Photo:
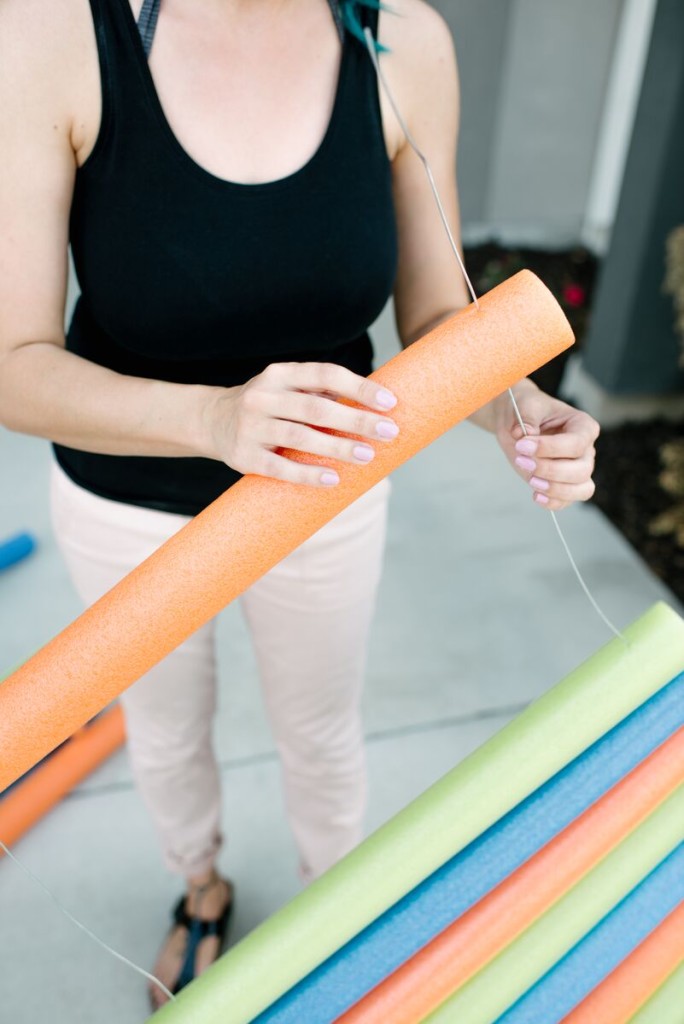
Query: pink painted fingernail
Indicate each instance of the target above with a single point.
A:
(385, 399)
(539, 485)
(526, 446)
(541, 499)
(329, 479)
(525, 463)
(387, 430)
(363, 452)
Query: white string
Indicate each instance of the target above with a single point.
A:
(585, 588)
(568, 552)
(423, 159)
(75, 921)
(370, 44)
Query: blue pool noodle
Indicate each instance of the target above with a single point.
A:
(15, 549)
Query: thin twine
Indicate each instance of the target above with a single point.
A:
(423, 159)
(370, 45)
(597, 608)
(83, 928)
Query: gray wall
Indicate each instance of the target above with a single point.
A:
(632, 347)
(533, 78)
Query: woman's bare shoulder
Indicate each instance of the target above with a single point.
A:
(416, 29)
(49, 66)
(421, 64)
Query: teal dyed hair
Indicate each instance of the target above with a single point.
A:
(350, 18)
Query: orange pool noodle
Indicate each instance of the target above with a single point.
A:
(637, 978)
(425, 981)
(439, 380)
(68, 766)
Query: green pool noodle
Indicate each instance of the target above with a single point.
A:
(502, 982)
(549, 734)
(666, 1006)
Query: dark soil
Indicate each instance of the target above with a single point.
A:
(635, 489)
(628, 490)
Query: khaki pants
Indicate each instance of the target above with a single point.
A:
(309, 619)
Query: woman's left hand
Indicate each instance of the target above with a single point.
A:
(557, 457)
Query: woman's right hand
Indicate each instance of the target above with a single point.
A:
(281, 407)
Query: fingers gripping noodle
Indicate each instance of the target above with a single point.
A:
(439, 380)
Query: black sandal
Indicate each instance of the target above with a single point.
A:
(197, 930)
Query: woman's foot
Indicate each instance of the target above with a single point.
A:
(206, 901)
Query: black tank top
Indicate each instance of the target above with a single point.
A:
(189, 278)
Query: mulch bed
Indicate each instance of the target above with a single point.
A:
(630, 468)
(640, 466)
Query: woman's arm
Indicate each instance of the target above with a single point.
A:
(422, 73)
(47, 61)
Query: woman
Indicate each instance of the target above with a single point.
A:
(239, 210)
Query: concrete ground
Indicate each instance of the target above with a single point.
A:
(479, 613)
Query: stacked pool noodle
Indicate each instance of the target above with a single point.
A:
(524, 903)
(296, 966)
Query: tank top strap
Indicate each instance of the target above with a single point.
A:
(147, 23)
(123, 68)
(337, 17)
